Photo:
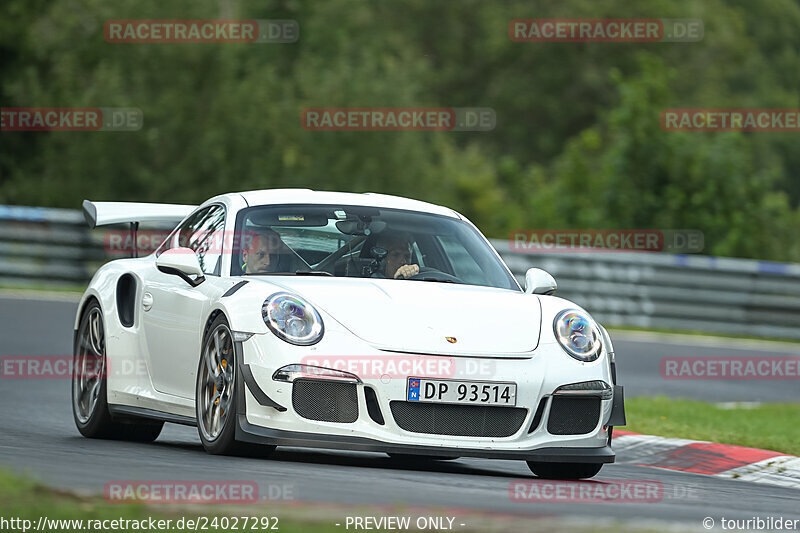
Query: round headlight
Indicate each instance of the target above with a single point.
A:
(292, 319)
(578, 335)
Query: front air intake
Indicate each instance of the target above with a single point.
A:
(373, 407)
(325, 401)
(537, 417)
(573, 416)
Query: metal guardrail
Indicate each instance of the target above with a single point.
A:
(681, 292)
(46, 247)
(54, 248)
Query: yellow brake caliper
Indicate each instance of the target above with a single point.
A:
(216, 402)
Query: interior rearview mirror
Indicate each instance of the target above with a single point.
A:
(538, 281)
(181, 262)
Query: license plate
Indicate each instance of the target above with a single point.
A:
(463, 392)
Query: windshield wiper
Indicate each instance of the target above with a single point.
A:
(312, 273)
(296, 273)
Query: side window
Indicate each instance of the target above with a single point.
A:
(175, 239)
(203, 232)
(205, 238)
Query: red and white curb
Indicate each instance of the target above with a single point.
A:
(709, 458)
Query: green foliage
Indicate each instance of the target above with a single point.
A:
(627, 172)
(577, 144)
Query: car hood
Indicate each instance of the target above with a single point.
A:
(418, 317)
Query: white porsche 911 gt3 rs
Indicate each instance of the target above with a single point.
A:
(336, 320)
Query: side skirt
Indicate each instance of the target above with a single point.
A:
(123, 412)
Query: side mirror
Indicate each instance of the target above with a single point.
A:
(181, 262)
(538, 281)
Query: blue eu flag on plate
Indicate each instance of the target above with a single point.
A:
(413, 390)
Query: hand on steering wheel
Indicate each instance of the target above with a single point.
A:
(406, 271)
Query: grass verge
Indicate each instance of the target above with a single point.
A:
(769, 426)
(41, 288)
(24, 500)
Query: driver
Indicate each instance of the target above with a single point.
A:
(260, 253)
(397, 261)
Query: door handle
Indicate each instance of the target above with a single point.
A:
(147, 301)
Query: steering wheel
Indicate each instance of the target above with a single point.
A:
(432, 274)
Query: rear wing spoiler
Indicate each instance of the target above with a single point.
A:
(103, 213)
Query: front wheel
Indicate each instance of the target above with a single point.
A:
(215, 394)
(565, 470)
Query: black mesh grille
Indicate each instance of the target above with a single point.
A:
(326, 401)
(459, 420)
(573, 416)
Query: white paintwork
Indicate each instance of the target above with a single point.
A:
(508, 332)
(409, 316)
(181, 259)
(103, 213)
(538, 281)
(173, 329)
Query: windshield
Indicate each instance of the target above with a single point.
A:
(365, 242)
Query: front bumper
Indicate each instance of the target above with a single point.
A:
(266, 414)
(247, 432)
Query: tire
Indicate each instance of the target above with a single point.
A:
(218, 383)
(565, 470)
(89, 387)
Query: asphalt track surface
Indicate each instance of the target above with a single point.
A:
(38, 438)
